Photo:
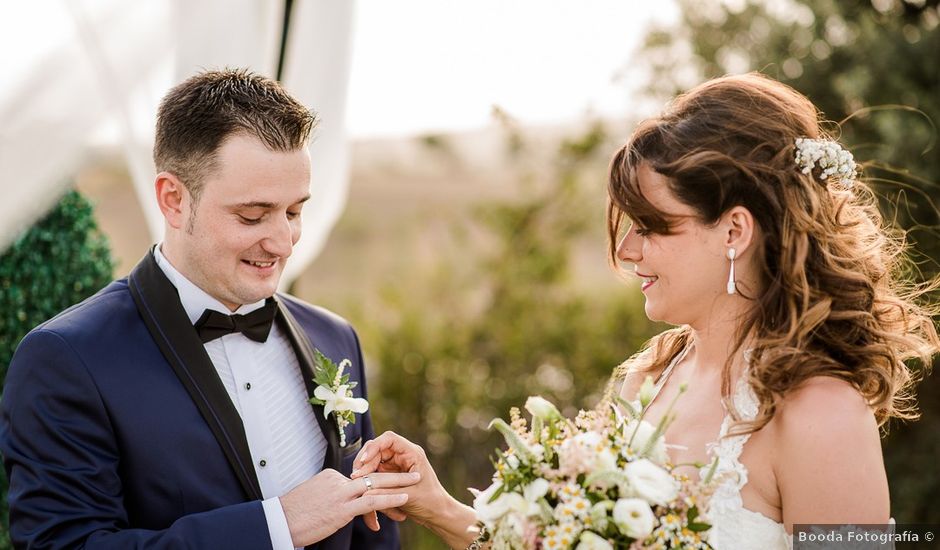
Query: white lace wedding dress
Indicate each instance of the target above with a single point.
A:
(734, 527)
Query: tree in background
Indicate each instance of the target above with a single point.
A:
(874, 63)
(58, 262)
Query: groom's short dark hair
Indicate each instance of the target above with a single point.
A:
(197, 115)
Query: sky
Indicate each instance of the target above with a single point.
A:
(421, 66)
(417, 67)
(441, 65)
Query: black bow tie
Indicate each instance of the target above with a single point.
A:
(255, 325)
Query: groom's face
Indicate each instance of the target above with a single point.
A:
(243, 228)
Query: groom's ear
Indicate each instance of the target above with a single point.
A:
(172, 198)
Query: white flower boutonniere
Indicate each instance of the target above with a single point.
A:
(334, 392)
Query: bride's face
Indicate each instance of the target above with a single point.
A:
(683, 275)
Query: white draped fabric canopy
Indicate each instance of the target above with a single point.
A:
(81, 65)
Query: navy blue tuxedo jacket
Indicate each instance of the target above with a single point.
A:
(116, 431)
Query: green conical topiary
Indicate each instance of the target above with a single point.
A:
(58, 262)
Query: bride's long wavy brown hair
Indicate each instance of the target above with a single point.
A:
(836, 296)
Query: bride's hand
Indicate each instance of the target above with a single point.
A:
(391, 452)
(429, 503)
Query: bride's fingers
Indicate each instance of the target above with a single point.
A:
(395, 514)
(394, 464)
(366, 454)
(365, 468)
(371, 455)
(385, 447)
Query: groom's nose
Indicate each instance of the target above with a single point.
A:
(281, 237)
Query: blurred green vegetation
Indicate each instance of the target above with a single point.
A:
(875, 65)
(500, 315)
(482, 329)
(500, 318)
(58, 262)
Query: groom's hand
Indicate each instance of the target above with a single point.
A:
(323, 504)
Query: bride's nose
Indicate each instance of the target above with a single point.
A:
(628, 250)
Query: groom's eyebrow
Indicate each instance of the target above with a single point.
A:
(265, 204)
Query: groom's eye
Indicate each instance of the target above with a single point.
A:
(248, 221)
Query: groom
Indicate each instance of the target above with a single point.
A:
(170, 409)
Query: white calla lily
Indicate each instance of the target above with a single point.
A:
(491, 512)
(542, 408)
(339, 400)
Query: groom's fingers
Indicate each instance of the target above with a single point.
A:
(382, 481)
(372, 502)
(371, 520)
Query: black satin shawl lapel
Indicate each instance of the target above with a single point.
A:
(304, 350)
(159, 306)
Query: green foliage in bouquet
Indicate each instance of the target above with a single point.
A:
(875, 64)
(602, 481)
(58, 262)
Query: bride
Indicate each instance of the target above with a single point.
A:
(750, 231)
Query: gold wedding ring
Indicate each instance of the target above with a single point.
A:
(369, 484)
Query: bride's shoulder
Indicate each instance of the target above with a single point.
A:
(822, 400)
(827, 416)
(827, 459)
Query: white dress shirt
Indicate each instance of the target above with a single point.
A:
(267, 388)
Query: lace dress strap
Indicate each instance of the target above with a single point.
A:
(663, 376)
(733, 525)
(727, 450)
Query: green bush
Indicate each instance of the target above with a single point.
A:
(58, 262)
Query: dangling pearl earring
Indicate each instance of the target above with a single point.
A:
(731, 286)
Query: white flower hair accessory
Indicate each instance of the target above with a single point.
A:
(831, 158)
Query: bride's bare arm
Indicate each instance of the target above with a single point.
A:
(828, 464)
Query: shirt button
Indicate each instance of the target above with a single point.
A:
(248, 386)
(263, 463)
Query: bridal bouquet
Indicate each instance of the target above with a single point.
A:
(602, 481)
